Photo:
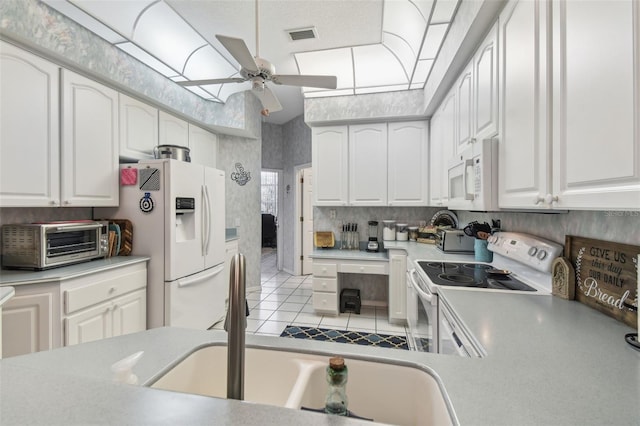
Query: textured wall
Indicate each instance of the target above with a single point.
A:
(243, 202)
(621, 227)
(369, 107)
(296, 152)
(34, 25)
(272, 142)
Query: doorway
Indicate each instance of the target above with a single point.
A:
(304, 211)
(270, 206)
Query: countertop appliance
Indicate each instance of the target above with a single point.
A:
(473, 177)
(178, 213)
(373, 245)
(454, 241)
(521, 264)
(39, 246)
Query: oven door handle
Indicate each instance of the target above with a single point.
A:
(428, 296)
(456, 340)
(80, 227)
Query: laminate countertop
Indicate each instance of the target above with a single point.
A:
(22, 277)
(549, 362)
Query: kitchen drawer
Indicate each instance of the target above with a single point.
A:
(365, 268)
(325, 284)
(325, 269)
(91, 289)
(327, 302)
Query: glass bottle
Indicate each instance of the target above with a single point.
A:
(336, 401)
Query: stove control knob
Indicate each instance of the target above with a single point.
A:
(532, 251)
(542, 254)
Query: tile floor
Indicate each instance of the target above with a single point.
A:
(285, 299)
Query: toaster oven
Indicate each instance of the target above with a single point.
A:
(39, 246)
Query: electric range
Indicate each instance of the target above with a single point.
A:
(521, 264)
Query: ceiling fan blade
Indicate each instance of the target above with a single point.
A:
(239, 50)
(268, 99)
(211, 81)
(323, 81)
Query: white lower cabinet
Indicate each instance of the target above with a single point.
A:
(110, 304)
(65, 312)
(118, 316)
(325, 287)
(31, 320)
(326, 284)
(397, 286)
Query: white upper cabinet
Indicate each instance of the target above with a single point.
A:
(29, 142)
(368, 165)
(582, 151)
(90, 143)
(203, 146)
(485, 87)
(443, 142)
(464, 109)
(596, 108)
(524, 148)
(408, 163)
(172, 130)
(330, 156)
(138, 129)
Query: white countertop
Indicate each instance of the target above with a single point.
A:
(20, 277)
(550, 362)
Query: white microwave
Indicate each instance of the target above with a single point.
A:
(473, 177)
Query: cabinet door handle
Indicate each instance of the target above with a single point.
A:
(550, 199)
(539, 199)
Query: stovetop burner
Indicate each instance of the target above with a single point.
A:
(470, 275)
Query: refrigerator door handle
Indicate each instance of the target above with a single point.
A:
(208, 219)
(204, 232)
(184, 282)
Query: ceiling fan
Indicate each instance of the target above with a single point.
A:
(260, 71)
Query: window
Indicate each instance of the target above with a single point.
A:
(269, 201)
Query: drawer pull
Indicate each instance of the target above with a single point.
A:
(112, 290)
(362, 268)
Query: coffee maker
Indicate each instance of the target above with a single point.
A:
(372, 245)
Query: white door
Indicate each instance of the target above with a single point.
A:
(172, 130)
(368, 164)
(89, 325)
(330, 165)
(90, 143)
(596, 137)
(485, 87)
(307, 220)
(464, 115)
(408, 162)
(524, 148)
(197, 301)
(203, 146)
(214, 204)
(184, 245)
(138, 128)
(29, 130)
(129, 313)
(448, 142)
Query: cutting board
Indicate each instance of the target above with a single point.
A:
(606, 276)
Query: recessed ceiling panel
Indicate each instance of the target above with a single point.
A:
(208, 63)
(120, 16)
(376, 66)
(433, 40)
(166, 35)
(444, 11)
(380, 89)
(147, 59)
(423, 68)
(86, 20)
(402, 51)
(403, 19)
(336, 62)
(328, 93)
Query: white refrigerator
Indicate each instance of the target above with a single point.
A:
(178, 217)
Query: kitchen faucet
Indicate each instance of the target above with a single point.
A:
(235, 325)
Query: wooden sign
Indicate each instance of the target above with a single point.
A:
(606, 276)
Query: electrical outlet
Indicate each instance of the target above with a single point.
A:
(332, 214)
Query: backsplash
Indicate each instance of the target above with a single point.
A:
(617, 226)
